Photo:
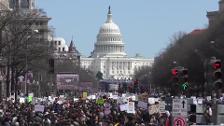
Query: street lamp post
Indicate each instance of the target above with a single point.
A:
(26, 61)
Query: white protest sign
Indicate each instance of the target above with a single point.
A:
(110, 95)
(133, 98)
(115, 97)
(142, 104)
(162, 105)
(156, 99)
(22, 100)
(123, 107)
(209, 98)
(153, 109)
(39, 108)
(91, 97)
(75, 99)
(200, 101)
(123, 95)
(194, 100)
(62, 96)
(131, 107)
(151, 101)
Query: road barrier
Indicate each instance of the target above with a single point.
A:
(200, 114)
(220, 113)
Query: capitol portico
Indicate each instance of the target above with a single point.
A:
(109, 55)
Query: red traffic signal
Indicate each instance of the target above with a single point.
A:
(216, 65)
(174, 72)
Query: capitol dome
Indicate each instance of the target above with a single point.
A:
(109, 40)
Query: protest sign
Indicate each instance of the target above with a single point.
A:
(39, 108)
(200, 101)
(209, 98)
(162, 106)
(154, 109)
(123, 95)
(123, 107)
(131, 107)
(151, 101)
(84, 94)
(22, 100)
(100, 101)
(75, 99)
(142, 104)
(30, 98)
(115, 97)
(91, 97)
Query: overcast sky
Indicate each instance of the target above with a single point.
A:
(146, 25)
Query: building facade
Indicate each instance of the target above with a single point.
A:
(65, 63)
(66, 59)
(212, 15)
(24, 4)
(59, 44)
(109, 56)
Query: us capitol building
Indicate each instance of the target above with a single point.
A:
(109, 55)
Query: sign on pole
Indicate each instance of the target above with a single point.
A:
(179, 107)
(179, 121)
(162, 106)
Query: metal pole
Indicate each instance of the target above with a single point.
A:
(26, 67)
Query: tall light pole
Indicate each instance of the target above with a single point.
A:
(26, 60)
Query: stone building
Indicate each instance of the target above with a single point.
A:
(66, 59)
(212, 15)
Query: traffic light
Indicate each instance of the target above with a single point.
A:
(217, 73)
(184, 85)
(174, 72)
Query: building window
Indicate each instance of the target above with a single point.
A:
(63, 49)
(59, 42)
(55, 42)
(59, 49)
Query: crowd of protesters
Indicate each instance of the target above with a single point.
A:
(77, 113)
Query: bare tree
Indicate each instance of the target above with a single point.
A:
(21, 45)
